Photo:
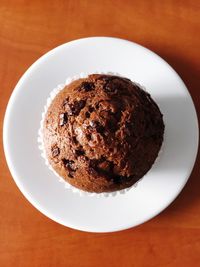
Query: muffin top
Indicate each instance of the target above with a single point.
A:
(102, 133)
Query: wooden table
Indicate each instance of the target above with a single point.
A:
(31, 28)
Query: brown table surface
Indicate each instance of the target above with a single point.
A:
(31, 28)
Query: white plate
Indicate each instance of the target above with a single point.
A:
(162, 183)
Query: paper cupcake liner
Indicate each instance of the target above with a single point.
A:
(52, 95)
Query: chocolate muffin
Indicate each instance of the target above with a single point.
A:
(102, 133)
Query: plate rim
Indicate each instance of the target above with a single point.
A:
(8, 114)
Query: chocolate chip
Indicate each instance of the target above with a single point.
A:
(118, 179)
(87, 114)
(55, 152)
(100, 129)
(86, 86)
(76, 107)
(88, 136)
(97, 126)
(63, 119)
(70, 175)
(79, 152)
(91, 109)
(102, 166)
(70, 166)
(93, 163)
(112, 125)
(111, 84)
(97, 106)
(74, 140)
(115, 86)
(110, 88)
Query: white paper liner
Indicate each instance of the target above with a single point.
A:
(52, 95)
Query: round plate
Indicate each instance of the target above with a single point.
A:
(161, 184)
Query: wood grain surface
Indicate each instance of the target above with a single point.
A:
(28, 29)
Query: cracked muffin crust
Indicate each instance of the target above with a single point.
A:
(102, 133)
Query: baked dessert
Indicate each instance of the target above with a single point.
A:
(102, 133)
